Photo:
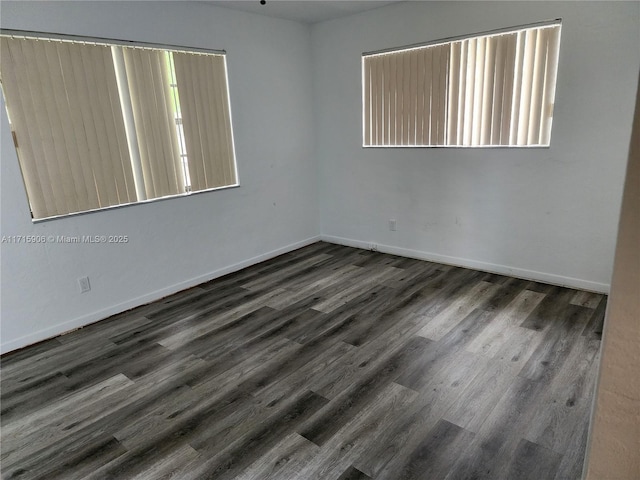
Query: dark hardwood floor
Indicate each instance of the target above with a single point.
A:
(325, 363)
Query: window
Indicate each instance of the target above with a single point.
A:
(99, 124)
(495, 89)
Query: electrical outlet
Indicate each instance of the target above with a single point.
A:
(84, 284)
(392, 225)
(373, 247)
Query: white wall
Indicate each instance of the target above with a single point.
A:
(547, 214)
(180, 242)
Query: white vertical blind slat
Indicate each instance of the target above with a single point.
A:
(527, 84)
(507, 94)
(148, 81)
(393, 91)
(413, 92)
(462, 91)
(366, 99)
(191, 115)
(201, 81)
(378, 101)
(151, 114)
(225, 148)
(420, 115)
(517, 87)
(175, 173)
(214, 171)
(435, 94)
(454, 94)
(537, 87)
(407, 99)
(488, 86)
(470, 91)
(19, 104)
(428, 98)
(498, 90)
(117, 173)
(51, 129)
(102, 166)
(123, 167)
(478, 90)
(215, 69)
(550, 85)
(133, 67)
(442, 79)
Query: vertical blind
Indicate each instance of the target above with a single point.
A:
(155, 125)
(404, 97)
(207, 124)
(485, 90)
(94, 123)
(64, 107)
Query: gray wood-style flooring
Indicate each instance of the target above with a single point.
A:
(325, 363)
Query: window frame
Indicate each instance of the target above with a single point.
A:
(112, 42)
(448, 41)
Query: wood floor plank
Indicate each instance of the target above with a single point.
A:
(566, 400)
(170, 464)
(341, 451)
(440, 354)
(573, 460)
(556, 345)
(51, 362)
(533, 462)
(490, 453)
(332, 359)
(344, 295)
(352, 473)
(295, 293)
(285, 274)
(499, 331)
(231, 461)
(442, 323)
(321, 427)
(433, 456)
(285, 460)
(359, 363)
(400, 438)
(60, 408)
(108, 413)
(83, 455)
(586, 299)
(478, 399)
(549, 310)
(328, 362)
(596, 322)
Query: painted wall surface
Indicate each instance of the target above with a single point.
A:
(176, 243)
(614, 449)
(549, 214)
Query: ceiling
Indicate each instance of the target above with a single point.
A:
(305, 11)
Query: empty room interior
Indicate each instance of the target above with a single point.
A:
(320, 240)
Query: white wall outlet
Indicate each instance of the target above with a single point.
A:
(373, 247)
(392, 224)
(84, 284)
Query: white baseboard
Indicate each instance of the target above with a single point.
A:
(476, 265)
(92, 317)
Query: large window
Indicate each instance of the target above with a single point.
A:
(495, 89)
(98, 124)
